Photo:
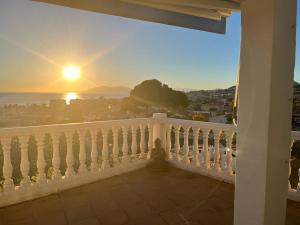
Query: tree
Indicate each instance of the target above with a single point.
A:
(154, 93)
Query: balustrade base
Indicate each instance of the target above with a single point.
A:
(37, 190)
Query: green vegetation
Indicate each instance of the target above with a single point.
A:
(154, 93)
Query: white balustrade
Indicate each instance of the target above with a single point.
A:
(215, 161)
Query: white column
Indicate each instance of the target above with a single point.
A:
(264, 113)
(125, 157)
(41, 163)
(150, 142)
(196, 161)
(133, 142)
(116, 146)
(8, 184)
(24, 166)
(186, 145)
(69, 156)
(82, 153)
(94, 151)
(105, 160)
(142, 143)
(56, 157)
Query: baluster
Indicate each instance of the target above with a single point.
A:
(150, 142)
(177, 144)
(133, 144)
(56, 157)
(94, 152)
(229, 137)
(41, 163)
(142, 143)
(24, 166)
(217, 134)
(70, 155)
(82, 153)
(206, 156)
(223, 158)
(186, 145)
(290, 159)
(298, 186)
(163, 141)
(8, 184)
(125, 157)
(116, 146)
(169, 144)
(196, 146)
(105, 160)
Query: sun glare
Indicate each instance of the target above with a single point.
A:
(71, 73)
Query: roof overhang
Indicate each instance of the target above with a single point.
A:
(206, 15)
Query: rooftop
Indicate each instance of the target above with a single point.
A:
(165, 196)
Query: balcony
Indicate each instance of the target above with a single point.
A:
(103, 173)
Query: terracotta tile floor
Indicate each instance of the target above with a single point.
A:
(147, 197)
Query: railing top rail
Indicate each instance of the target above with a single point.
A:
(200, 124)
(75, 126)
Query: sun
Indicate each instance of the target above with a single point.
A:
(71, 73)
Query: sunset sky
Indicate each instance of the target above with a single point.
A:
(37, 40)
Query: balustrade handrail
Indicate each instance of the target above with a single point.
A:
(15, 131)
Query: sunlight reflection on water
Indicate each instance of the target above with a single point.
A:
(71, 96)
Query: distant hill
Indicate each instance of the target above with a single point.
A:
(114, 91)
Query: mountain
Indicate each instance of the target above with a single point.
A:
(111, 91)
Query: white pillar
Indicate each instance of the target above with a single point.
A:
(264, 114)
(159, 130)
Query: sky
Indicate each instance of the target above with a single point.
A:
(37, 40)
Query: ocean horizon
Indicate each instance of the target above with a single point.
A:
(39, 98)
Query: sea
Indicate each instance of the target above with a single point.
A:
(45, 98)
